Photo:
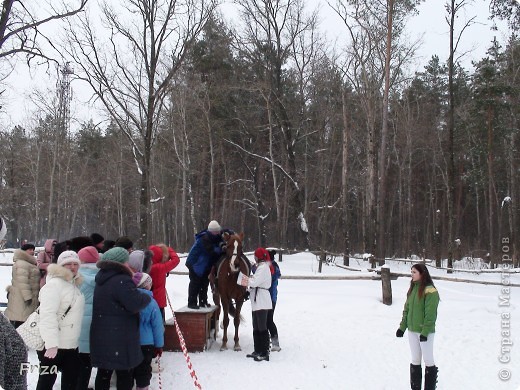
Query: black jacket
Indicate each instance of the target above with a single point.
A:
(114, 333)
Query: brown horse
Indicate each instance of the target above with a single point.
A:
(227, 290)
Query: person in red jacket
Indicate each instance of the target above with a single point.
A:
(163, 261)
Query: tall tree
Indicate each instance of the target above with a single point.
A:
(148, 41)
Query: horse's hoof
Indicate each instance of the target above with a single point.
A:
(223, 348)
(237, 348)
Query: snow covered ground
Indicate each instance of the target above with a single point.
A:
(336, 334)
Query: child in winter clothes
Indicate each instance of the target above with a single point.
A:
(419, 317)
(163, 261)
(151, 333)
(275, 275)
(259, 283)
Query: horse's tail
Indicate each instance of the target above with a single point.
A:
(233, 311)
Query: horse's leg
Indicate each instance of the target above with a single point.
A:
(225, 307)
(216, 316)
(236, 321)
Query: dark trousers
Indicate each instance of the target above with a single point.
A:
(85, 369)
(143, 372)
(161, 309)
(260, 320)
(271, 326)
(125, 379)
(198, 288)
(66, 361)
(260, 333)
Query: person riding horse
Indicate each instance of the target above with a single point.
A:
(204, 254)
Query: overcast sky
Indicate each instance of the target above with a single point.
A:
(430, 24)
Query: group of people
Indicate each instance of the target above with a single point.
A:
(203, 257)
(98, 307)
(104, 307)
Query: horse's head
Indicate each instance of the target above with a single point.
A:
(234, 250)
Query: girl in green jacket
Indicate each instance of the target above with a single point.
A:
(419, 316)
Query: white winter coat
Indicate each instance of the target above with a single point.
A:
(259, 283)
(59, 292)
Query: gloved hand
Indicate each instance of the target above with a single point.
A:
(157, 352)
(246, 296)
(223, 246)
(399, 333)
(51, 353)
(422, 338)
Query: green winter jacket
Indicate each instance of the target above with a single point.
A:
(420, 314)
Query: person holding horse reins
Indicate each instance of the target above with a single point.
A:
(261, 303)
(205, 252)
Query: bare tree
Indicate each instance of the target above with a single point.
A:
(130, 72)
(21, 29)
(272, 31)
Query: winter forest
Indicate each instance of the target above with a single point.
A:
(264, 125)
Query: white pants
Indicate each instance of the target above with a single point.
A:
(424, 349)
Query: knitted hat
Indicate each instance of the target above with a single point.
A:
(135, 260)
(145, 281)
(97, 238)
(261, 255)
(68, 257)
(214, 227)
(89, 254)
(117, 254)
(26, 247)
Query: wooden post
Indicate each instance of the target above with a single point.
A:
(323, 256)
(387, 285)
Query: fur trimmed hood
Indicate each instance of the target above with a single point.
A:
(58, 271)
(19, 254)
(108, 269)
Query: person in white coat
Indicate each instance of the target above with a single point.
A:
(61, 313)
(261, 303)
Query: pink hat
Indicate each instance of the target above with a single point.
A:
(89, 254)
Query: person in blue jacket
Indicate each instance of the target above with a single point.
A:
(88, 256)
(151, 331)
(205, 252)
(271, 326)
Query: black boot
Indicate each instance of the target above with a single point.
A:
(256, 344)
(430, 378)
(193, 290)
(415, 376)
(264, 346)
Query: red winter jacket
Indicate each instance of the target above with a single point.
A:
(160, 269)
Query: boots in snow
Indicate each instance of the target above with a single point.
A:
(263, 338)
(275, 344)
(415, 376)
(256, 344)
(430, 378)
